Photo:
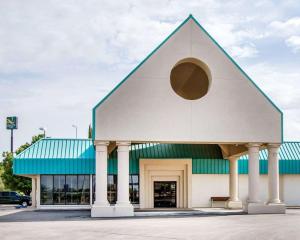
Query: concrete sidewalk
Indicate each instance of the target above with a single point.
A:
(30, 224)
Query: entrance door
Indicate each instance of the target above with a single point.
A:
(165, 194)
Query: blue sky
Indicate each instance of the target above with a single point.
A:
(59, 58)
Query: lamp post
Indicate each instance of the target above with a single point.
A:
(44, 131)
(74, 126)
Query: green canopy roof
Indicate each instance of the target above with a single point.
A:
(77, 156)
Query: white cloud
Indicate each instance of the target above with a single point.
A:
(58, 58)
(282, 85)
(294, 43)
(288, 30)
(244, 51)
(287, 27)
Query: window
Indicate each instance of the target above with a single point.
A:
(71, 189)
(46, 189)
(134, 189)
(65, 189)
(84, 189)
(112, 188)
(59, 189)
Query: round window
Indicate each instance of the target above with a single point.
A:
(190, 79)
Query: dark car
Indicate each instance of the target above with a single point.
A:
(14, 198)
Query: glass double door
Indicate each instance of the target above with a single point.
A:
(165, 194)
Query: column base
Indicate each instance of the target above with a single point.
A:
(260, 208)
(234, 204)
(112, 211)
(124, 210)
(102, 211)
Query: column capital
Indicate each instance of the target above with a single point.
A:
(101, 146)
(273, 145)
(123, 143)
(253, 145)
(101, 143)
(233, 158)
(123, 146)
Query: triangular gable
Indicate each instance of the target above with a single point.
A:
(179, 28)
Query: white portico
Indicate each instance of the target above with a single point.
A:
(188, 91)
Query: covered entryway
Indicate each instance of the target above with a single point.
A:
(187, 91)
(165, 174)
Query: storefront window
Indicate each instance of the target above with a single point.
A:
(112, 188)
(46, 189)
(94, 189)
(65, 189)
(59, 189)
(71, 189)
(84, 189)
(134, 189)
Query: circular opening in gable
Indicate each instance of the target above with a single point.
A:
(190, 78)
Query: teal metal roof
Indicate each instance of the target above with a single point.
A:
(77, 156)
(289, 160)
(57, 156)
(207, 158)
(288, 151)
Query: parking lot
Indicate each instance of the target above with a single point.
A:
(33, 224)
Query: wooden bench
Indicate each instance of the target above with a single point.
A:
(218, 199)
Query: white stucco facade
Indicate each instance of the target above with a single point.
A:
(233, 113)
(206, 186)
(232, 100)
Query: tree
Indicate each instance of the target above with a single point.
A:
(14, 182)
(1, 183)
(90, 131)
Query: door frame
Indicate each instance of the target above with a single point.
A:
(179, 170)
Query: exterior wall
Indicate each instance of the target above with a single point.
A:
(132, 111)
(205, 186)
(208, 185)
(243, 187)
(291, 188)
(217, 185)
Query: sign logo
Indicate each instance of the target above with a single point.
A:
(12, 123)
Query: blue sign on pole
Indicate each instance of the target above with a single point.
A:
(12, 123)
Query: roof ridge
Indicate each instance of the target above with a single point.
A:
(31, 146)
(75, 139)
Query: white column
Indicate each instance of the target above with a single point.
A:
(101, 174)
(33, 191)
(253, 175)
(123, 173)
(234, 201)
(233, 179)
(273, 173)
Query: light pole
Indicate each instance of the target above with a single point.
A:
(44, 131)
(74, 126)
